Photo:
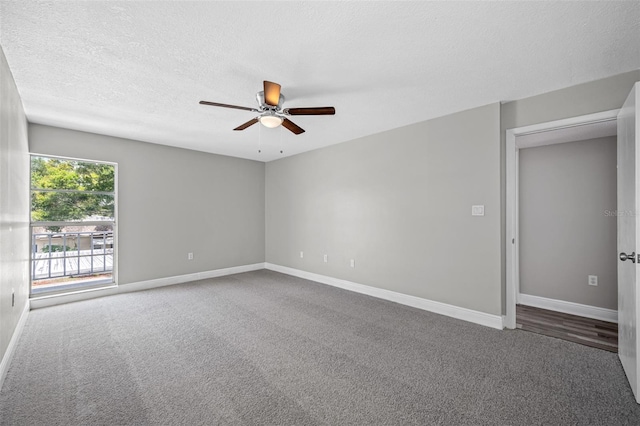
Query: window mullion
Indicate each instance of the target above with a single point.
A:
(73, 191)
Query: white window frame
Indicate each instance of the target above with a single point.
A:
(114, 273)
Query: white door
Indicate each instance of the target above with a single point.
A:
(628, 239)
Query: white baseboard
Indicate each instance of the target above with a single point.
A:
(569, 307)
(8, 355)
(482, 318)
(58, 299)
(493, 321)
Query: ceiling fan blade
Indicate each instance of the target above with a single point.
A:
(247, 124)
(293, 127)
(271, 93)
(228, 106)
(310, 111)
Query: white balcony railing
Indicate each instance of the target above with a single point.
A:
(71, 254)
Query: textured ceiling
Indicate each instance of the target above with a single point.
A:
(138, 69)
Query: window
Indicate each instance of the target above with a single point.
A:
(73, 205)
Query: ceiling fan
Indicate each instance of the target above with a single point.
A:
(272, 115)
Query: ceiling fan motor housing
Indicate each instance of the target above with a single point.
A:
(264, 106)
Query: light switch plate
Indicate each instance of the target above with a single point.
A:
(477, 210)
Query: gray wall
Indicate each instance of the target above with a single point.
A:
(596, 96)
(399, 203)
(14, 206)
(565, 233)
(172, 201)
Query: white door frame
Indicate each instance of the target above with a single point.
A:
(512, 235)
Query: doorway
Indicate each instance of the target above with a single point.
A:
(557, 132)
(568, 236)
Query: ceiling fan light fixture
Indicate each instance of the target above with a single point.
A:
(270, 121)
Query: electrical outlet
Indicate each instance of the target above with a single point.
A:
(326, 258)
(593, 280)
(190, 256)
(353, 263)
(301, 254)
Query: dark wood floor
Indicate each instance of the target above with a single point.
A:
(586, 331)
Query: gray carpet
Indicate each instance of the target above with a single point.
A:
(262, 348)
